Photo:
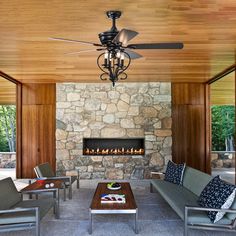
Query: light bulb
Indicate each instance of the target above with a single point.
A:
(122, 56)
(106, 55)
(118, 54)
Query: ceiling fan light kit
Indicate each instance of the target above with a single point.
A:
(117, 56)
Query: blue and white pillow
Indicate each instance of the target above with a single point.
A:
(217, 194)
(174, 173)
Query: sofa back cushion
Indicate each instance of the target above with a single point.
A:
(195, 180)
(9, 195)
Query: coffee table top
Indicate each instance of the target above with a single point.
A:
(40, 187)
(102, 189)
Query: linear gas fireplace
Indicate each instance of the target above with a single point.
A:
(113, 146)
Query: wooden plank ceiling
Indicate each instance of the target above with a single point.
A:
(223, 90)
(206, 27)
(7, 92)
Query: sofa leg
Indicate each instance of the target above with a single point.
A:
(185, 230)
(37, 224)
(185, 221)
(70, 191)
(64, 193)
(78, 182)
(151, 188)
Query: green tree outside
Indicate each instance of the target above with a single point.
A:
(7, 128)
(223, 128)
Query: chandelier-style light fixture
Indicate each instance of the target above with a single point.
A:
(117, 53)
(113, 63)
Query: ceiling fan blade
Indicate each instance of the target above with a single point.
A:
(76, 41)
(133, 55)
(156, 46)
(82, 51)
(124, 36)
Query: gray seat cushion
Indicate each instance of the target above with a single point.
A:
(26, 217)
(200, 217)
(9, 195)
(44, 170)
(44, 205)
(177, 196)
(16, 218)
(232, 216)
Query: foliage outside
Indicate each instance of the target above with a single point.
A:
(223, 128)
(7, 128)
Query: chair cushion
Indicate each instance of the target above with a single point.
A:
(26, 217)
(174, 173)
(44, 170)
(19, 217)
(9, 195)
(44, 205)
(217, 194)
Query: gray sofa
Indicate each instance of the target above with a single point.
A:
(16, 214)
(183, 199)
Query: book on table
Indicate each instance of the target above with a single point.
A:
(112, 198)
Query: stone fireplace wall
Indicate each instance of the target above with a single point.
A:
(99, 110)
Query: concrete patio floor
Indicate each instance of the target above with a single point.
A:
(155, 216)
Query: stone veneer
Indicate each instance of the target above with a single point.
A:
(99, 110)
(7, 160)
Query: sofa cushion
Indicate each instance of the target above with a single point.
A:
(177, 196)
(217, 194)
(200, 217)
(232, 216)
(174, 173)
(9, 195)
(195, 180)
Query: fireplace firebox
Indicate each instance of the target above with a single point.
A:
(113, 146)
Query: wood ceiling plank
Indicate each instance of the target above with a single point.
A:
(207, 29)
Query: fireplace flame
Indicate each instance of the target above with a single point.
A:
(115, 151)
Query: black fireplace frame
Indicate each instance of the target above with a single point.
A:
(127, 143)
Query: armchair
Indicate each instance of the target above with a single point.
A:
(45, 170)
(16, 214)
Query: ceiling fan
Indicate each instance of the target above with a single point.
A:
(118, 53)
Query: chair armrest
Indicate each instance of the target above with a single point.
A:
(197, 208)
(63, 178)
(157, 175)
(15, 210)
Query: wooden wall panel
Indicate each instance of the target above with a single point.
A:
(189, 125)
(47, 127)
(38, 127)
(29, 140)
(39, 94)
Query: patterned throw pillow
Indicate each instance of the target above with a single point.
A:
(174, 173)
(217, 194)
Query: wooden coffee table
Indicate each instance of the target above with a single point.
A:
(129, 207)
(37, 188)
